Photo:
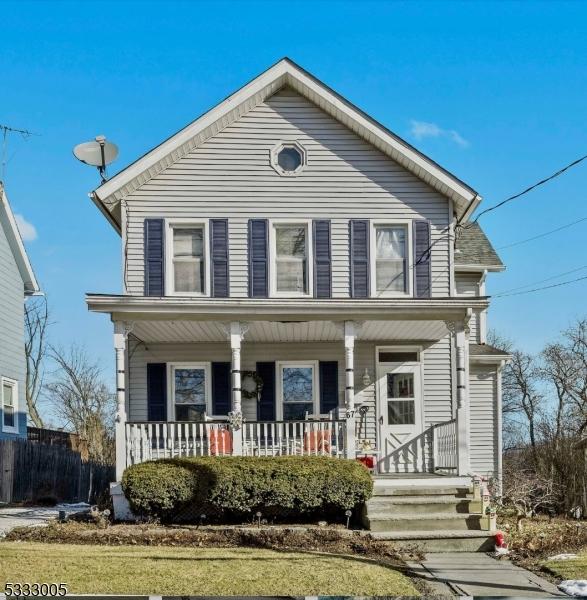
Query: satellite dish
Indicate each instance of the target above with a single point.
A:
(98, 153)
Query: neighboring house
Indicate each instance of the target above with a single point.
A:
(291, 262)
(17, 281)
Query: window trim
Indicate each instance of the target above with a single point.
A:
(13, 383)
(407, 224)
(171, 367)
(170, 225)
(273, 157)
(307, 223)
(280, 365)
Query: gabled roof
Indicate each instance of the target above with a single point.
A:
(283, 73)
(474, 252)
(8, 224)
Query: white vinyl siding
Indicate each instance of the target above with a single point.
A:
(483, 419)
(436, 385)
(467, 284)
(230, 176)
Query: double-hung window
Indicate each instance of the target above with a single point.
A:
(291, 264)
(8, 399)
(190, 391)
(187, 273)
(391, 260)
(297, 389)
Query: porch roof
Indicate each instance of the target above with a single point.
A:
(283, 310)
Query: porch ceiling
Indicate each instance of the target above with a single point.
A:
(272, 332)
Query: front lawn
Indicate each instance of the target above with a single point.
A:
(90, 569)
(569, 569)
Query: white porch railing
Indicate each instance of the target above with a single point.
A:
(301, 438)
(149, 440)
(444, 446)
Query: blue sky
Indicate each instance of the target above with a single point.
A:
(497, 91)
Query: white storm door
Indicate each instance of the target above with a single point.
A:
(399, 405)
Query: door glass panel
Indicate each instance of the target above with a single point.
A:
(400, 399)
(190, 394)
(298, 392)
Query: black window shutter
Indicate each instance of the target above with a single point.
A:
(322, 260)
(157, 392)
(266, 405)
(258, 259)
(328, 386)
(221, 388)
(219, 257)
(359, 257)
(154, 244)
(422, 262)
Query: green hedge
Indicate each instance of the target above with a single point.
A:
(233, 487)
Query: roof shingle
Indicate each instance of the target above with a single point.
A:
(473, 248)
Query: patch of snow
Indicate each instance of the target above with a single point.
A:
(563, 557)
(574, 587)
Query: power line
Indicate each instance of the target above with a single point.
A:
(541, 235)
(546, 287)
(529, 189)
(521, 287)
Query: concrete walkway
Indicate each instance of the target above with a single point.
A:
(479, 574)
(27, 516)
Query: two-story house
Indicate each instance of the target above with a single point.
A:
(17, 282)
(295, 282)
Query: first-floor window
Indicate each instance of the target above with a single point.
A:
(188, 259)
(8, 398)
(298, 390)
(291, 259)
(189, 392)
(390, 258)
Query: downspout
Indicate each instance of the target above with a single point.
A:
(499, 416)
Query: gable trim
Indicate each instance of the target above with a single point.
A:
(285, 72)
(15, 242)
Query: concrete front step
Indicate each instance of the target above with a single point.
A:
(383, 521)
(400, 490)
(439, 540)
(418, 505)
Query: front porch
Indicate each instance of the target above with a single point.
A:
(391, 385)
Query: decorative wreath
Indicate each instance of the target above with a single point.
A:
(251, 394)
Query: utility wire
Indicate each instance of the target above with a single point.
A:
(541, 235)
(528, 189)
(521, 287)
(546, 287)
(5, 129)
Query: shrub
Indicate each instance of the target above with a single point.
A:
(234, 487)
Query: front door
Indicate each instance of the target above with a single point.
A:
(399, 404)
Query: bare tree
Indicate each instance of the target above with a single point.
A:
(82, 400)
(36, 323)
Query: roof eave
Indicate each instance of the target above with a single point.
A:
(472, 268)
(25, 268)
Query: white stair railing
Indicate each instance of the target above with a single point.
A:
(444, 446)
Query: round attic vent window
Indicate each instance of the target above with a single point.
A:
(288, 158)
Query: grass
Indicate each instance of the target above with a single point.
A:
(569, 569)
(92, 569)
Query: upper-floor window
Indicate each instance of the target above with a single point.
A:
(8, 402)
(187, 271)
(390, 262)
(290, 257)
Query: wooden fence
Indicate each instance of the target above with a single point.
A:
(31, 472)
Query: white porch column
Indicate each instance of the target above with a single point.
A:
(121, 331)
(463, 433)
(349, 363)
(236, 413)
